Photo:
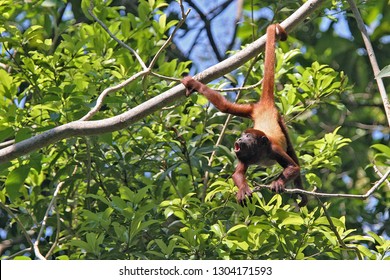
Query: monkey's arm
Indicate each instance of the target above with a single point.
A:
(291, 152)
(220, 102)
(240, 181)
(290, 172)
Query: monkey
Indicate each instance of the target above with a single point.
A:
(268, 141)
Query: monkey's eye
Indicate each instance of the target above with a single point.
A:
(263, 140)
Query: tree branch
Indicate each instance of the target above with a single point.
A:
(207, 27)
(338, 195)
(26, 233)
(123, 44)
(170, 38)
(99, 101)
(240, 7)
(5, 244)
(334, 229)
(371, 56)
(85, 128)
(44, 220)
(146, 70)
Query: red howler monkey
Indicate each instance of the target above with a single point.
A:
(268, 141)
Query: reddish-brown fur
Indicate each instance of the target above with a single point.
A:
(269, 140)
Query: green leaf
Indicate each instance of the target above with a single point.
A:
(382, 148)
(125, 27)
(324, 221)
(355, 238)
(162, 245)
(81, 244)
(6, 132)
(22, 134)
(22, 258)
(292, 220)
(313, 180)
(118, 203)
(237, 227)
(377, 238)
(49, 3)
(85, 4)
(152, 3)
(218, 229)
(162, 21)
(330, 237)
(385, 72)
(15, 181)
(7, 85)
(365, 251)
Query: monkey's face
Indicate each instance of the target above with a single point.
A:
(251, 147)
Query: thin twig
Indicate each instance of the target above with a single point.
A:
(120, 42)
(334, 229)
(15, 217)
(181, 6)
(371, 56)
(165, 77)
(21, 252)
(99, 101)
(146, 70)
(241, 88)
(337, 195)
(170, 38)
(240, 4)
(7, 143)
(380, 174)
(44, 220)
(207, 27)
(12, 241)
(57, 238)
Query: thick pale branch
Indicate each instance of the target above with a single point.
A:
(84, 128)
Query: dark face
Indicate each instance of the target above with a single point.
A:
(251, 147)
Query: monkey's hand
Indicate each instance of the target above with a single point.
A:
(243, 194)
(190, 84)
(277, 186)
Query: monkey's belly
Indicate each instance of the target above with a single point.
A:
(266, 162)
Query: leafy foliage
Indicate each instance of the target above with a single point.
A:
(142, 192)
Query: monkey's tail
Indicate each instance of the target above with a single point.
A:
(303, 200)
(269, 61)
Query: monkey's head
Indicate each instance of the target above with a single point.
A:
(252, 146)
